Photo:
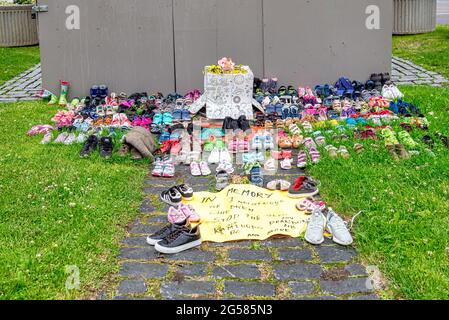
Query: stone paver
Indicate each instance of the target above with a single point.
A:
(254, 289)
(405, 72)
(23, 87)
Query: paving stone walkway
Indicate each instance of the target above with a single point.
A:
(405, 72)
(25, 86)
(274, 269)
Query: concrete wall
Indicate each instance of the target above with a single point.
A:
(160, 45)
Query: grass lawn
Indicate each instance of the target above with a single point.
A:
(17, 60)
(429, 50)
(58, 210)
(404, 228)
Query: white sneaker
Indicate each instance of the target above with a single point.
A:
(81, 138)
(205, 171)
(315, 228)
(214, 157)
(70, 139)
(338, 229)
(225, 156)
(225, 166)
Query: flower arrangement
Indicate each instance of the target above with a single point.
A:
(63, 119)
(227, 66)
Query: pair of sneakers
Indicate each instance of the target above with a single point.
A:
(93, 143)
(175, 195)
(175, 238)
(182, 213)
(164, 168)
(320, 222)
(198, 169)
(219, 155)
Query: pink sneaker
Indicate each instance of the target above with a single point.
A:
(189, 212)
(176, 216)
(169, 169)
(195, 169)
(315, 155)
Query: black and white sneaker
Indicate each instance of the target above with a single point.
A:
(165, 232)
(180, 240)
(171, 197)
(186, 191)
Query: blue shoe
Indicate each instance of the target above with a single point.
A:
(270, 109)
(94, 91)
(256, 177)
(186, 115)
(177, 114)
(279, 107)
(286, 112)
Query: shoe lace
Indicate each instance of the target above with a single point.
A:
(174, 235)
(163, 230)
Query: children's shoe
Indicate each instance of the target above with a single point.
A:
(222, 180)
(333, 152)
(344, 153)
(310, 205)
(302, 188)
(205, 170)
(169, 169)
(179, 241)
(280, 185)
(171, 197)
(225, 166)
(256, 177)
(270, 166)
(195, 169)
(214, 157)
(310, 144)
(225, 156)
(61, 138)
(164, 232)
(338, 229)
(186, 191)
(302, 160)
(189, 213)
(286, 164)
(315, 155)
(106, 147)
(89, 147)
(176, 216)
(47, 138)
(71, 138)
(359, 148)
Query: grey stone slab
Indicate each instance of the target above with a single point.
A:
(29, 99)
(158, 219)
(229, 244)
(135, 242)
(127, 298)
(335, 254)
(356, 270)
(138, 254)
(283, 243)
(297, 271)
(193, 270)
(246, 289)
(192, 256)
(144, 270)
(372, 297)
(302, 288)
(147, 206)
(423, 81)
(242, 271)
(144, 229)
(173, 290)
(348, 286)
(295, 255)
(132, 287)
(320, 298)
(249, 255)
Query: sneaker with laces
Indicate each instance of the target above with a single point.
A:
(179, 240)
(164, 232)
(171, 197)
(70, 139)
(89, 147)
(106, 147)
(315, 228)
(61, 138)
(169, 169)
(338, 229)
(186, 191)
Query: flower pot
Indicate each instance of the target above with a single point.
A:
(18, 26)
(414, 16)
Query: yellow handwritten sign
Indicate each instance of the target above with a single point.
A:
(247, 212)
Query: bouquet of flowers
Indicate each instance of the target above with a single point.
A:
(227, 66)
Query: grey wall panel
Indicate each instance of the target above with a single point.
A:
(206, 30)
(327, 39)
(127, 45)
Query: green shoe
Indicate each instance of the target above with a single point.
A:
(407, 140)
(390, 137)
(64, 93)
(53, 100)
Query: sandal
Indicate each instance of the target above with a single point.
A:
(302, 160)
(315, 155)
(286, 164)
(285, 143)
(332, 151)
(344, 152)
(294, 129)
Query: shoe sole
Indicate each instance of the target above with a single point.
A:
(152, 242)
(303, 195)
(179, 249)
(314, 243)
